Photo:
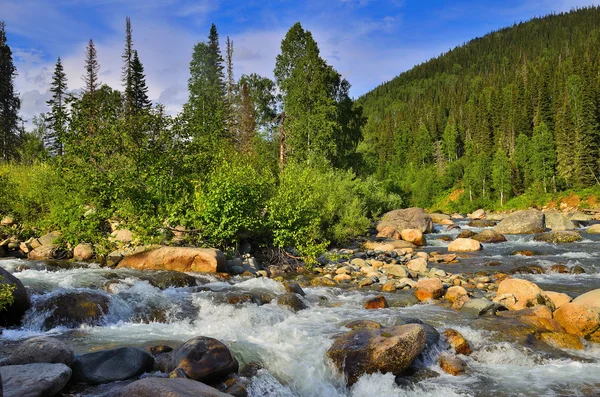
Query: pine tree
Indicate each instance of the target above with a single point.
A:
(92, 67)
(57, 117)
(247, 124)
(450, 141)
(127, 73)
(501, 174)
(9, 101)
(139, 90)
(543, 155)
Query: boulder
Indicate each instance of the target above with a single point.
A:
(378, 302)
(387, 245)
(579, 320)
(167, 279)
(13, 313)
(34, 380)
(452, 364)
(203, 359)
(558, 298)
(390, 286)
(479, 214)
(396, 270)
(181, 259)
(430, 288)
(356, 324)
(457, 342)
(455, 292)
(390, 232)
(111, 365)
(40, 350)
(466, 234)
(557, 221)
(322, 282)
(561, 340)
(482, 223)
(522, 222)
(479, 307)
(590, 299)
(72, 309)
(559, 237)
(83, 252)
(418, 265)
(517, 294)
(414, 236)
(464, 245)
(292, 301)
(439, 218)
(180, 387)
(489, 236)
(366, 351)
(124, 236)
(594, 229)
(409, 218)
(43, 253)
(46, 239)
(292, 286)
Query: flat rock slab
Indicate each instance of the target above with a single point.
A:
(111, 365)
(180, 387)
(34, 380)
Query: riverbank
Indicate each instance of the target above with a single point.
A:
(385, 281)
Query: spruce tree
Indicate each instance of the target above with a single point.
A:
(543, 155)
(139, 90)
(92, 67)
(501, 174)
(57, 117)
(127, 72)
(9, 101)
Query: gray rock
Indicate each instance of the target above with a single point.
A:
(293, 301)
(111, 365)
(292, 286)
(559, 237)
(409, 218)
(480, 307)
(403, 299)
(153, 387)
(522, 222)
(34, 380)
(13, 314)
(40, 350)
(169, 278)
(557, 221)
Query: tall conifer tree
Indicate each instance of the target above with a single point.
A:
(127, 73)
(57, 117)
(9, 100)
(139, 89)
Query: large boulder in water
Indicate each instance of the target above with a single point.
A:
(409, 218)
(179, 387)
(557, 221)
(181, 259)
(464, 245)
(590, 299)
(111, 365)
(522, 222)
(594, 229)
(559, 237)
(40, 350)
(489, 236)
(14, 312)
(203, 359)
(517, 294)
(34, 380)
(73, 308)
(366, 351)
(579, 319)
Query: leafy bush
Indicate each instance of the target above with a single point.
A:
(6, 295)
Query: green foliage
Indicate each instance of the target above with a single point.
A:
(6, 294)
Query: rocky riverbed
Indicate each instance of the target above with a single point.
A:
(429, 305)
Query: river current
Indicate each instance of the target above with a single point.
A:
(291, 347)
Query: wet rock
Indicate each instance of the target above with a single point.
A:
(559, 237)
(403, 299)
(524, 253)
(357, 324)
(111, 365)
(561, 340)
(159, 349)
(482, 223)
(203, 359)
(594, 229)
(181, 259)
(432, 336)
(577, 270)
(414, 375)
(292, 301)
(152, 387)
(558, 298)
(528, 269)
(13, 313)
(40, 350)
(366, 351)
(83, 252)
(539, 317)
(167, 279)
(390, 286)
(409, 218)
(292, 286)
(322, 282)
(489, 236)
(479, 307)
(237, 386)
(72, 309)
(557, 221)
(379, 302)
(466, 234)
(414, 236)
(579, 320)
(558, 268)
(522, 222)
(464, 245)
(455, 292)
(431, 288)
(518, 294)
(452, 364)
(457, 342)
(34, 380)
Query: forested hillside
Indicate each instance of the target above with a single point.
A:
(514, 111)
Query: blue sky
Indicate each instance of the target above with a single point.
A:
(368, 41)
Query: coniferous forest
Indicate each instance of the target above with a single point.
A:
(508, 119)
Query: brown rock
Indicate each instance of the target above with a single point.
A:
(378, 302)
(390, 286)
(526, 294)
(464, 245)
(455, 292)
(479, 214)
(431, 288)
(414, 236)
(409, 218)
(389, 232)
(458, 343)
(418, 265)
(558, 298)
(83, 252)
(590, 299)
(366, 351)
(561, 340)
(342, 278)
(124, 236)
(43, 252)
(489, 236)
(200, 260)
(579, 320)
(356, 324)
(452, 364)
(466, 234)
(180, 387)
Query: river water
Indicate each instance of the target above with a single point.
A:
(291, 347)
